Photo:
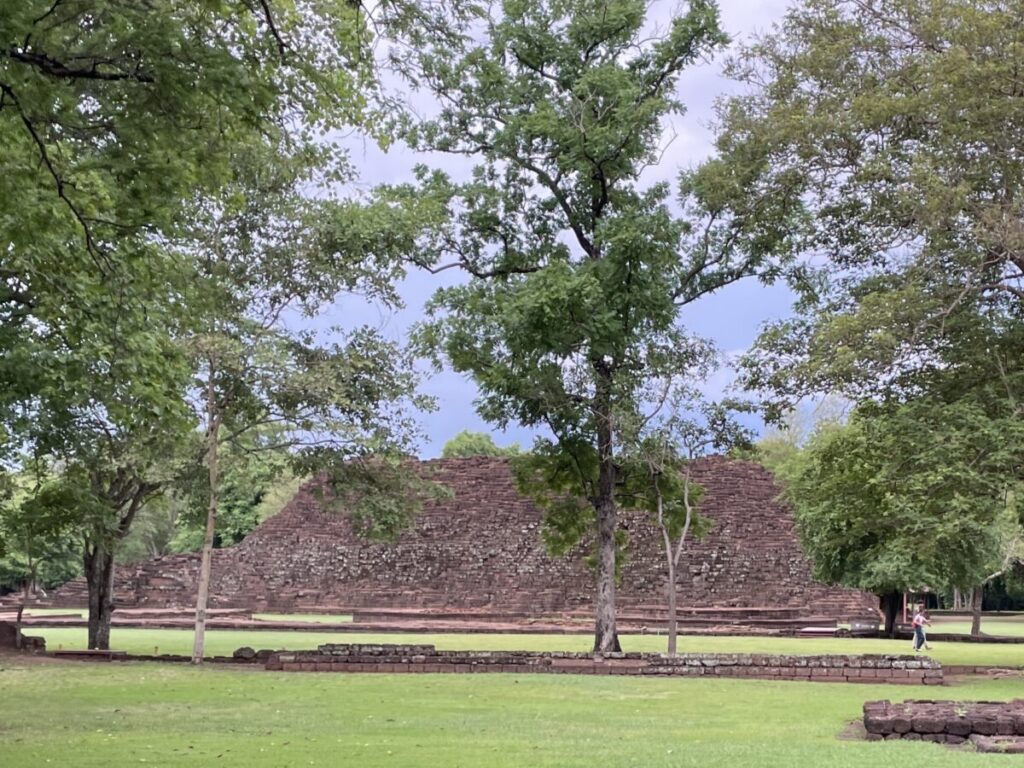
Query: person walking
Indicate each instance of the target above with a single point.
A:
(919, 622)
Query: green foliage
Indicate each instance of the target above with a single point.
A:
(884, 124)
(112, 114)
(907, 495)
(468, 443)
(569, 322)
(254, 485)
(38, 545)
(887, 120)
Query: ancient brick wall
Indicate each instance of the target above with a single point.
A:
(873, 669)
(948, 722)
(481, 548)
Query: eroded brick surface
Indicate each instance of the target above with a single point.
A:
(482, 548)
(334, 657)
(947, 722)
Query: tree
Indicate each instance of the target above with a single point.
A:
(468, 443)
(659, 476)
(112, 113)
(905, 496)
(261, 387)
(782, 440)
(108, 416)
(577, 272)
(893, 125)
(889, 123)
(114, 116)
(1009, 555)
(896, 123)
(37, 542)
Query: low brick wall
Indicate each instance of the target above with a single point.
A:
(426, 658)
(972, 669)
(945, 722)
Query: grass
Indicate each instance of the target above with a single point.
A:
(170, 715)
(314, 618)
(223, 642)
(1009, 626)
(56, 612)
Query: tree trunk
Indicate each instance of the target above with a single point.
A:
(976, 598)
(890, 604)
(203, 590)
(606, 637)
(99, 577)
(956, 599)
(673, 625)
(30, 581)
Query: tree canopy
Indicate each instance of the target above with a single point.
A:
(468, 443)
(577, 270)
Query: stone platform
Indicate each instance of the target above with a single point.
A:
(992, 726)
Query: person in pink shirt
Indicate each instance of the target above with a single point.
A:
(919, 622)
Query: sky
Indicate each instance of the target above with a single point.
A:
(731, 318)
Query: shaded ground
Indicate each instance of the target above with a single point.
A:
(173, 715)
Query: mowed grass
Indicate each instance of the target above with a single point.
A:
(82, 715)
(313, 618)
(56, 612)
(1007, 626)
(223, 642)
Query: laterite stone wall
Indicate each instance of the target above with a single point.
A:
(427, 659)
(482, 549)
(945, 722)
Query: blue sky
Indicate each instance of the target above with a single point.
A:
(731, 318)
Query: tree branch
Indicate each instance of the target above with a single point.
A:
(55, 68)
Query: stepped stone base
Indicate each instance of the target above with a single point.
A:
(481, 549)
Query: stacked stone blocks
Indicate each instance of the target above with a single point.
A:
(481, 548)
(987, 723)
(427, 659)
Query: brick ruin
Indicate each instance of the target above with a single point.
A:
(481, 549)
(869, 668)
(991, 725)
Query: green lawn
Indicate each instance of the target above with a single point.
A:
(1011, 626)
(223, 642)
(56, 612)
(172, 715)
(315, 618)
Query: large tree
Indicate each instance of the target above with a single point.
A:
(907, 496)
(577, 270)
(895, 125)
(265, 249)
(114, 117)
(898, 124)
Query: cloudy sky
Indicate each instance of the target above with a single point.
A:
(731, 318)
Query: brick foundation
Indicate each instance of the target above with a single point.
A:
(481, 549)
(988, 724)
(426, 658)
